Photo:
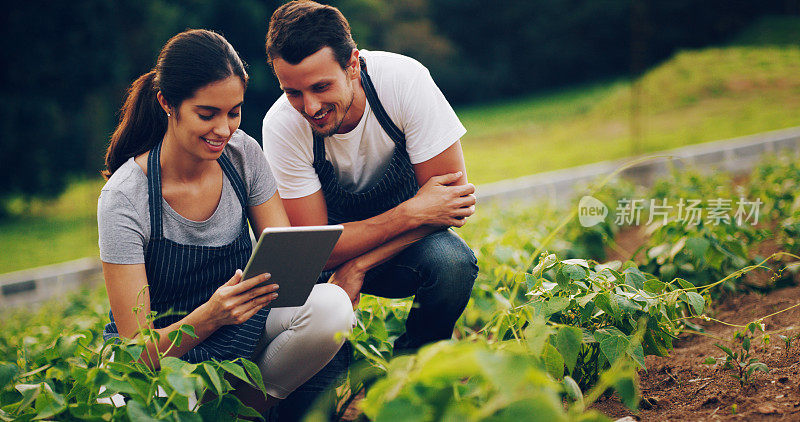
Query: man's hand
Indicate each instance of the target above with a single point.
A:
(438, 204)
(350, 278)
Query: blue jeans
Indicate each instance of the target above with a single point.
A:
(439, 271)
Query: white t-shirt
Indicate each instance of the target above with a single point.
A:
(411, 99)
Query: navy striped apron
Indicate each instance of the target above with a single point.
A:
(396, 185)
(182, 277)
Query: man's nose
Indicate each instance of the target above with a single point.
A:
(312, 105)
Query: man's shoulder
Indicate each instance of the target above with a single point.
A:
(283, 123)
(391, 66)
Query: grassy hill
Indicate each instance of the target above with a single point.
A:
(696, 96)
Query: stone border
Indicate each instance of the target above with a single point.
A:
(41, 283)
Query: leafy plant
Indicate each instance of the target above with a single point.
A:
(741, 360)
(71, 375)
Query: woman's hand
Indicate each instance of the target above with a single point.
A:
(236, 301)
(349, 277)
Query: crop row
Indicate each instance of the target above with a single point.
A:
(552, 324)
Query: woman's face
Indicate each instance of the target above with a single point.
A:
(205, 122)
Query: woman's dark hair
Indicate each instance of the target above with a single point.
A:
(299, 29)
(186, 63)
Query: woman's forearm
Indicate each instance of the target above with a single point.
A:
(203, 328)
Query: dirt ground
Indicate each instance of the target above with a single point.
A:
(680, 387)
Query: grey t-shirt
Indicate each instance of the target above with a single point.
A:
(123, 215)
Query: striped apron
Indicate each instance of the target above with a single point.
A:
(182, 277)
(396, 185)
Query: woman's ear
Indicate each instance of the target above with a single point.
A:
(163, 103)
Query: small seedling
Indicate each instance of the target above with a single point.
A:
(787, 340)
(741, 360)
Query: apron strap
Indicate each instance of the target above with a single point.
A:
(236, 180)
(154, 191)
(380, 113)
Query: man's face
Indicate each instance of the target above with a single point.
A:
(320, 90)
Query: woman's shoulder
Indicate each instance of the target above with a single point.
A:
(127, 187)
(243, 150)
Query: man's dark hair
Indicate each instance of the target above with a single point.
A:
(299, 29)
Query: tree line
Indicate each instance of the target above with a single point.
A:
(68, 64)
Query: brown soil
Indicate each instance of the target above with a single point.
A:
(680, 387)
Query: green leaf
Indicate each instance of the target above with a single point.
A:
(746, 343)
(634, 278)
(574, 271)
(568, 343)
(557, 304)
(255, 373)
(572, 389)
(182, 383)
(175, 337)
(172, 363)
(403, 409)
(216, 384)
(189, 330)
(628, 392)
(612, 345)
(697, 246)
(49, 404)
(727, 351)
(553, 361)
(637, 353)
(236, 371)
(696, 301)
(654, 286)
(188, 417)
(758, 366)
(138, 412)
(29, 393)
(710, 361)
(7, 373)
(537, 334)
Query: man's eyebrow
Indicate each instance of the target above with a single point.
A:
(212, 108)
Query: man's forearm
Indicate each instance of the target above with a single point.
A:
(391, 248)
(361, 237)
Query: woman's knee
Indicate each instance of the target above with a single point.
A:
(330, 312)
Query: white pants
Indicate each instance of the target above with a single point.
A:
(301, 340)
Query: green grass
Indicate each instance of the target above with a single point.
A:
(49, 232)
(697, 96)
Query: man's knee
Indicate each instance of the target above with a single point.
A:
(450, 261)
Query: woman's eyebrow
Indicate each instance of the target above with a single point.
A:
(212, 108)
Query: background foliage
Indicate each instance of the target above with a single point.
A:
(70, 62)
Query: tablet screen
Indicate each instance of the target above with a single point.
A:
(295, 257)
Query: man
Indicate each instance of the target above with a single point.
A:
(351, 141)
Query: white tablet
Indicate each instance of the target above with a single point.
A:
(294, 256)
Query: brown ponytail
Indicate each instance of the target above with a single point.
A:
(142, 123)
(186, 63)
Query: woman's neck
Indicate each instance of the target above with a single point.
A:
(179, 165)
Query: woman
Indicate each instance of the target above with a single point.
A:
(182, 183)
